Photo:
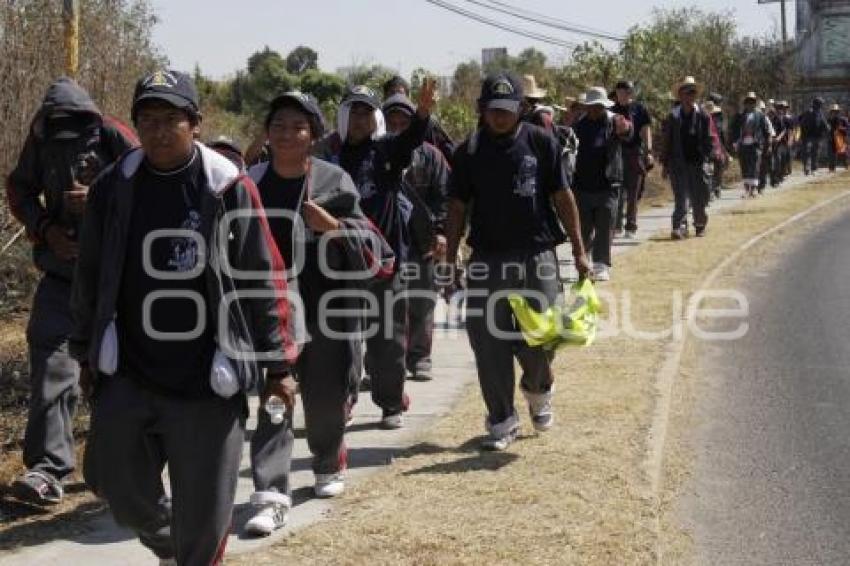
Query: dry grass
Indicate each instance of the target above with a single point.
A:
(579, 494)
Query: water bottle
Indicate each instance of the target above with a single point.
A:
(276, 409)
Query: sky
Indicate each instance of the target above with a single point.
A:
(219, 35)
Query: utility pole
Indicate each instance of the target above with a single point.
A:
(784, 25)
(71, 18)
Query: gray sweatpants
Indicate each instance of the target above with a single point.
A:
(597, 213)
(324, 374)
(420, 315)
(54, 376)
(134, 433)
(690, 190)
(494, 355)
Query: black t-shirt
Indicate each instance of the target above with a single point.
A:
(166, 201)
(690, 139)
(510, 181)
(592, 157)
(637, 114)
(282, 196)
(286, 195)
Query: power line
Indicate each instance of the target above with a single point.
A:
(545, 19)
(505, 27)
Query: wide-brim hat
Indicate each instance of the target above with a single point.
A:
(598, 96)
(751, 96)
(688, 83)
(711, 108)
(530, 88)
(781, 104)
(835, 108)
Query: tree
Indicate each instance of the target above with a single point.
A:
(267, 77)
(301, 59)
(325, 87)
(466, 82)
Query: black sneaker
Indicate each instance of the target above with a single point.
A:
(38, 487)
(700, 232)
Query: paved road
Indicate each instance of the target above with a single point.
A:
(772, 475)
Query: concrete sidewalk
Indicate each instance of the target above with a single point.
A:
(102, 542)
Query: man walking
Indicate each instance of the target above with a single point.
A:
(813, 128)
(69, 143)
(426, 184)
(508, 175)
(637, 157)
(599, 176)
(376, 164)
(178, 302)
(751, 135)
(687, 148)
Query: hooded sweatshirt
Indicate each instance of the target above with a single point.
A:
(377, 166)
(69, 139)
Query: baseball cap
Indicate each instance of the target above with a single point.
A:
(624, 85)
(305, 102)
(173, 87)
(362, 94)
(399, 102)
(501, 91)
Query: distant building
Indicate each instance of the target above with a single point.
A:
(492, 54)
(823, 50)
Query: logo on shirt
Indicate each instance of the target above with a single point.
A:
(184, 251)
(366, 179)
(525, 180)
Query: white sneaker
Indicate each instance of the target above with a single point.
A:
(540, 409)
(500, 435)
(272, 513)
(329, 485)
(601, 272)
(392, 421)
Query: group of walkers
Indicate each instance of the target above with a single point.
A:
(178, 277)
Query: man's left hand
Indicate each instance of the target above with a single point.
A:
(439, 250)
(582, 266)
(427, 98)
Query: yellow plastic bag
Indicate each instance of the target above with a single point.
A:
(560, 325)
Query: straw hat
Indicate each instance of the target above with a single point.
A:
(711, 108)
(835, 108)
(530, 88)
(598, 96)
(688, 82)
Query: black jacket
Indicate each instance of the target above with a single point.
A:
(49, 164)
(672, 152)
(240, 258)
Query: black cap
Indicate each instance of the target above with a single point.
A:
(399, 102)
(362, 94)
(173, 87)
(501, 91)
(304, 102)
(625, 85)
(393, 83)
